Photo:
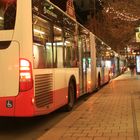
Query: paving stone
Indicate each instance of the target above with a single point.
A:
(113, 113)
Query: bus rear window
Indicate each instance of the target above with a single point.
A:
(7, 14)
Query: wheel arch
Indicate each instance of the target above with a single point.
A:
(99, 79)
(73, 81)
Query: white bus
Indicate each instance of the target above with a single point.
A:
(104, 62)
(47, 59)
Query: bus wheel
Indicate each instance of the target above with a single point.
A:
(109, 77)
(99, 81)
(71, 99)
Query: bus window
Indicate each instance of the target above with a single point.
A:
(58, 47)
(39, 56)
(7, 14)
(42, 43)
(71, 56)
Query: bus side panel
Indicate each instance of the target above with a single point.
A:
(23, 29)
(19, 106)
(93, 61)
(104, 75)
(58, 96)
(62, 78)
(60, 87)
(48, 100)
(7, 109)
(106, 78)
(75, 73)
(9, 70)
(61, 97)
(50, 89)
(24, 104)
(89, 80)
(43, 90)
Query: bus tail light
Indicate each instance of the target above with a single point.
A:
(26, 80)
(89, 82)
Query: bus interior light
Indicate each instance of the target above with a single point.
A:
(89, 82)
(109, 48)
(39, 31)
(67, 42)
(57, 28)
(1, 18)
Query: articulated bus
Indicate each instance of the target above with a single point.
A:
(104, 63)
(47, 59)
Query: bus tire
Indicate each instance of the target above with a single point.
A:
(99, 80)
(109, 77)
(71, 97)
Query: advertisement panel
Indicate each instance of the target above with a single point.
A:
(138, 64)
(137, 36)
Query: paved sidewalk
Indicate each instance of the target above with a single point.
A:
(113, 113)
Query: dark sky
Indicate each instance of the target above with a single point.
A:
(60, 3)
(83, 8)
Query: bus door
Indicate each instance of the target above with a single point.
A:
(9, 70)
(9, 54)
(83, 66)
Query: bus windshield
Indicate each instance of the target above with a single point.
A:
(7, 14)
